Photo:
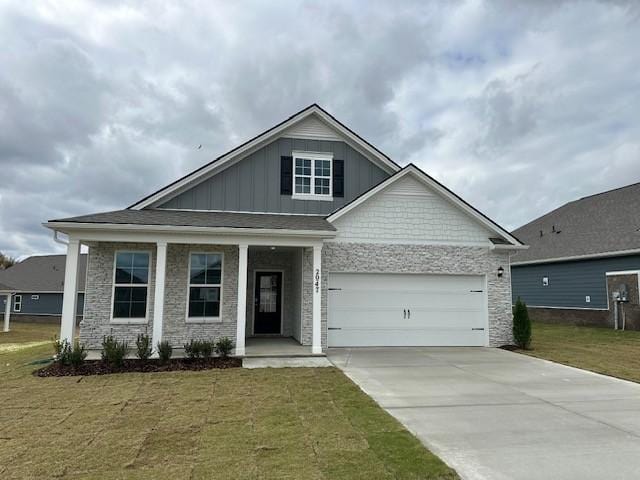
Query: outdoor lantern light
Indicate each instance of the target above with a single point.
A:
(500, 271)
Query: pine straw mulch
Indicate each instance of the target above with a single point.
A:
(99, 367)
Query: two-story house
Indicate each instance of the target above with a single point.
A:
(306, 231)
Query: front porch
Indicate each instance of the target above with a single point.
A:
(262, 291)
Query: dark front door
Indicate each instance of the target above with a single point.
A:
(267, 316)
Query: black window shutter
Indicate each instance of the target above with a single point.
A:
(286, 175)
(338, 178)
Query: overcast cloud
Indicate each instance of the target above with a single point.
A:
(516, 106)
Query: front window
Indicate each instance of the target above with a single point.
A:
(312, 175)
(205, 283)
(131, 285)
(17, 303)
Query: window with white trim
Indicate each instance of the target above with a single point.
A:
(205, 286)
(312, 175)
(131, 285)
(35, 297)
(17, 303)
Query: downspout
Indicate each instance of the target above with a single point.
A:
(57, 240)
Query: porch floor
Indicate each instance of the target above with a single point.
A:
(277, 347)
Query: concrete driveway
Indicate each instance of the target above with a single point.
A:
(493, 414)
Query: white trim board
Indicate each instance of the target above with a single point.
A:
(261, 140)
(588, 256)
(444, 192)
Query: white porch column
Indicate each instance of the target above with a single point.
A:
(70, 296)
(243, 250)
(7, 313)
(158, 297)
(317, 298)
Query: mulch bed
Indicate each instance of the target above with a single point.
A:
(98, 367)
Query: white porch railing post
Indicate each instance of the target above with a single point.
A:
(158, 298)
(7, 313)
(243, 250)
(70, 296)
(316, 343)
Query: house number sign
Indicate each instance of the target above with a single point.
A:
(317, 280)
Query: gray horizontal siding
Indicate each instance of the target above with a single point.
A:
(569, 282)
(253, 184)
(47, 304)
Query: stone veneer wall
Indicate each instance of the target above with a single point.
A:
(437, 259)
(99, 289)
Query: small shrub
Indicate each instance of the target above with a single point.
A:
(62, 349)
(143, 346)
(192, 349)
(165, 350)
(206, 348)
(77, 354)
(114, 351)
(224, 346)
(521, 325)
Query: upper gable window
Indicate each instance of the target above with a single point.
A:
(312, 175)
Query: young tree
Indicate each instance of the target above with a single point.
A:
(6, 261)
(521, 325)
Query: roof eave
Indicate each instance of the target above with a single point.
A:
(587, 256)
(65, 227)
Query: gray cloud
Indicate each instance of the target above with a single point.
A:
(517, 106)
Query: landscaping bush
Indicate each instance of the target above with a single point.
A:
(62, 350)
(143, 346)
(206, 348)
(521, 325)
(224, 346)
(114, 351)
(165, 350)
(77, 354)
(192, 349)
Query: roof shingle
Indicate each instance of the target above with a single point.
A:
(41, 273)
(604, 223)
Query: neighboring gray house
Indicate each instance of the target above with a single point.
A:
(580, 255)
(37, 284)
(306, 232)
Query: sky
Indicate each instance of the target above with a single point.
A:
(517, 106)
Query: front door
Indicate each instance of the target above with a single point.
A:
(267, 313)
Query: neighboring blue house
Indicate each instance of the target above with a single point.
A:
(37, 284)
(581, 255)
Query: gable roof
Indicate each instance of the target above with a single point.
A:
(505, 239)
(6, 288)
(262, 139)
(41, 273)
(599, 225)
(202, 219)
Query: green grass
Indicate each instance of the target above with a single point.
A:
(226, 424)
(601, 350)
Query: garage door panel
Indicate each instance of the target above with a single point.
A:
(406, 310)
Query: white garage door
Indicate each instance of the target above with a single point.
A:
(406, 310)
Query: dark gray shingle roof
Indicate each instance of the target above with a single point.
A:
(205, 219)
(4, 287)
(41, 273)
(602, 223)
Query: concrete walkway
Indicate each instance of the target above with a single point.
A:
(493, 414)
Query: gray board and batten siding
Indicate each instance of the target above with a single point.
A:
(569, 282)
(253, 184)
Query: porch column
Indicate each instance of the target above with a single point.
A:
(7, 313)
(316, 343)
(243, 250)
(158, 296)
(70, 296)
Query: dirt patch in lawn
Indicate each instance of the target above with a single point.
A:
(98, 367)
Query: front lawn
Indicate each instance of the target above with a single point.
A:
(227, 424)
(601, 350)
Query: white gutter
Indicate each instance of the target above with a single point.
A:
(62, 226)
(619, 253)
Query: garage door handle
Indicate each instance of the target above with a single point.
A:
(334, 328)
(475, 291)
(332, 289)
(405, 313)
(408, 313)
(477, 329)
